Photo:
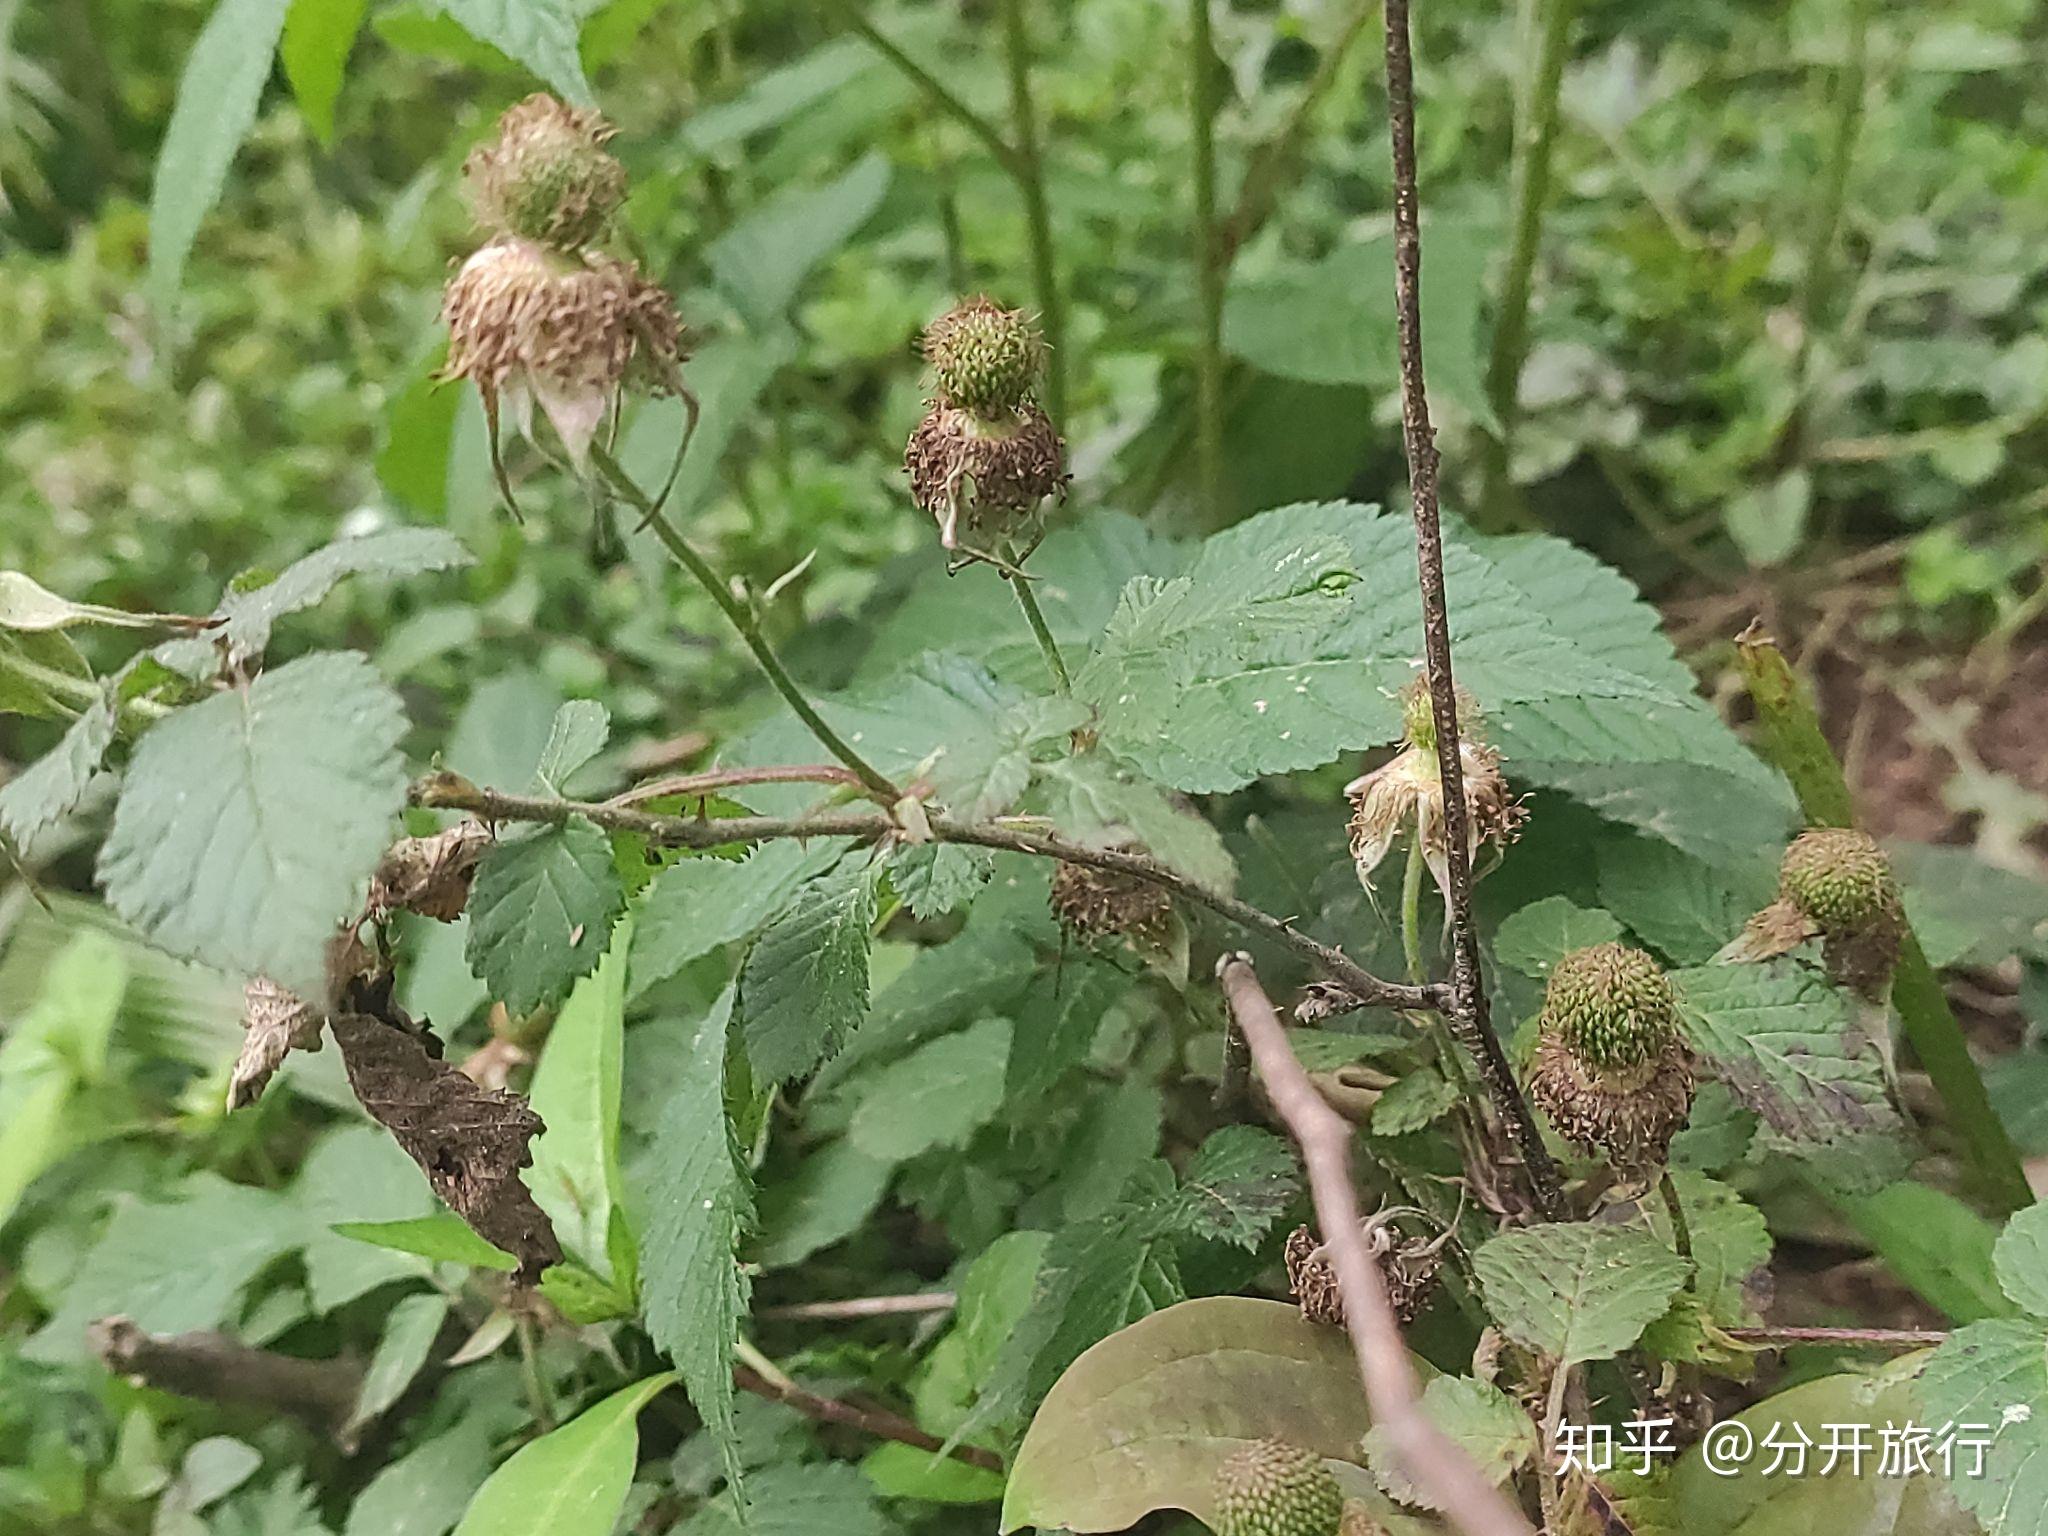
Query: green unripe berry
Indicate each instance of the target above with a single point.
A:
(1271, 1488)
(1611, 1006)
(547, 177)
(985, 359)
(1840, 879)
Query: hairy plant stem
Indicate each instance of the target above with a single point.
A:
(1529, 194)
(1209, 262)
(1040, 630)
(1411, 910)
(1029, 169)
(1875, 1338)
(1793, 739)
(1470, 1502)
(452, 792)
(1681, 1229)
(942, 95)
(1469, 1014)
(743, 620)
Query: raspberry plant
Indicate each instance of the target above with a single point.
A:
(913, 979)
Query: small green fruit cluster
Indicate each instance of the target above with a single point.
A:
(985, 359)
(1612, 1005)
(1271, 1488)
(1612, 1071)
(547, 176)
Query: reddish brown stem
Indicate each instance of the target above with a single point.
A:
(873, 1421)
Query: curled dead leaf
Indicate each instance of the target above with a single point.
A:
(429, 875)
(274, 1022)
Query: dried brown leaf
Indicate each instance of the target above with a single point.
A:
(429, 875)
(274, 1022)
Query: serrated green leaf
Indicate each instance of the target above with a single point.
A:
(249, 823)
(937, 1096)
(1116, 1137)
(1990, 1382)
(804, 988)
(1413, 1102)
(698, 904)
(1143, 1419)
(318, 37)
(541, 34)
(218, 92)
(1787, 1045)
(443, 1237)
(798, 1501)
(541, 912)
(1534, 938)
(1055, 1027)
(247, 618)
(2021, 1259)
(1730, 1242)
(1577, 1290)
(936, 878)
(1680, 905)
(572, 1481)
(355, 1173)
(1097, 803)
(693, 1292)
(1481, 1420)
(49, 789)
(580, 729)
(575, 1091)
(1237, 1185)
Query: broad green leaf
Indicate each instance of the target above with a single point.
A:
(696, 905)
(943, 717)
(31, 1131)
(1056, 1026)
(1412, 1103)
(50, 788)
(541, 34)
(1788, 1047)
(424, 1492)
(29, 607)
(937, 1096)
(575, 1091)
(1746, 1495)
(410, 1328)
(318, 36)
(572, 1481)
(580, 730)
(2021, 1259)
(1142, 1420)
(1933, 1242)
(356, 1173)
(1116, 1137)
(936, 878)
(444, 1237)
(1481, 1420)
(792, 1500)
(1576, 1290)
(901, 1471)
(503, 728)
(1680, 905)
(1730, 1242)
(1094, 802)
(1238, 1185)
(692, 1289)
(249, 823)
(541, 912)
(1534, 938)
(729, 376)
(218, 92)
(763, 260)
(804, 988)
(830, 1195)
(994, 1295)
(1990, 1382)
(1332, 322)
(1968, 912)
(248, 617)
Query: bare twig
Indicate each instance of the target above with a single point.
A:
(1876, 1338)
(942, 95)
(692, 784)
(216, 1368)
(452, 792)
(1456, 1485)
(1469, 1014)
(855, 1307)
(873, 1421)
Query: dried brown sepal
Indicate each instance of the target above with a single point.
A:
(1407, 792)
(528, 325)
(1093, 905)
(274, 1023)
(471, 1142)
(1409, 1266)
(1629, 1116)
(984, 477)
(1777, 930)
(429, 875)
(546, 175)
(1358, 1521)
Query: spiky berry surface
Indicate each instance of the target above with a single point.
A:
(1611, 1006)
(547, 176)
(985, 359)
(1839, 878)
(1271, 1488)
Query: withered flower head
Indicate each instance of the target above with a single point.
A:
(985, 359)
(529, 325)
(1408, 792)
(547, 176)
(1097, 904)
(1409, 1265)
(1834, 884)
(989, 472)
(1611, 1070)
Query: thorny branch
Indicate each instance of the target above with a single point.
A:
(1468, 1015)
(874, 1421)
(452, 792)
(1456, 1485)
